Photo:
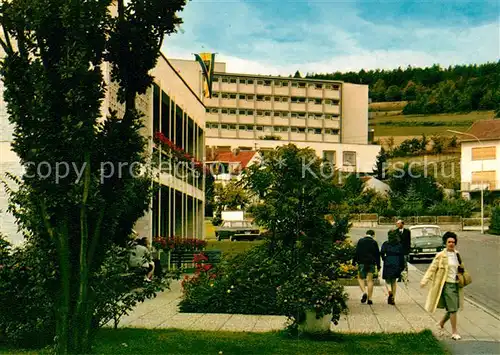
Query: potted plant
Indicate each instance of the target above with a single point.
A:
(311, 301)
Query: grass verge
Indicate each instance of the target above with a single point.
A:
(229, 248)
(446, 121)
(173, 341)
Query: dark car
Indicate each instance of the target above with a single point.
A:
(426, 241)
(237, 230)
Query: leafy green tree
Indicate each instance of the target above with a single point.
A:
(378, 90)
(438, 144)
(297, 74)
(296, 193)
(409, 203)
(209, 195)
(410, 183)
(410, 91)
(55, 51)
(381, 168)
(423, 143)
(230, 197)
(393, 93)
(352, 187)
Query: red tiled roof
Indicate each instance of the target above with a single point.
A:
(243, 157)
(484, 130)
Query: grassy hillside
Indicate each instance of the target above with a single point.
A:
(416, 125)
(387, 106)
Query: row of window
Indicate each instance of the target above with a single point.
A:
(281, 129)
(285, 114)
(292, 99)
(276, 83)
(349, 157)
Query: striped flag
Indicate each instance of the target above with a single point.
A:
(207, 63)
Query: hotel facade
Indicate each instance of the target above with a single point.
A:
(252, 112)
(170, 107)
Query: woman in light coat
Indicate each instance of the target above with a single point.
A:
(444, 291)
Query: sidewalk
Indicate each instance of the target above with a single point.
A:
(474, 323)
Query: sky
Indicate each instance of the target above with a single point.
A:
(278, 37)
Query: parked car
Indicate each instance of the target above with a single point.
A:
(426, 241)
(237, 230)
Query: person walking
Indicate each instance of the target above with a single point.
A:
(444, 291)
(392, 254)
(367, 257)
(405, 239)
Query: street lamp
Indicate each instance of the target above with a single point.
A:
(482, 182)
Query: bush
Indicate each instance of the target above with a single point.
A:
(244, 284)
(119, 288)
(313, 292)
(495, 221)
(27, 281)
(247, 283)
(28, 287)
(452, 207)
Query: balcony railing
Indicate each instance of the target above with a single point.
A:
(477, 186)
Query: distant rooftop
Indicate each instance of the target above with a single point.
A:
(243, 157)
(484, 130)
(274, 77)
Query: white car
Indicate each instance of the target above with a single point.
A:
(426, 241)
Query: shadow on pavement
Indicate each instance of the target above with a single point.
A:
(472, 347)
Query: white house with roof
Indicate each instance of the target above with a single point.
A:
(480, 157)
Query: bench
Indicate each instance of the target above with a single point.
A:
(185, 259)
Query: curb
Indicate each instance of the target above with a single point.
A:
(467, 299)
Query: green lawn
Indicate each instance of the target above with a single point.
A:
(172, 341)
(231, 248)
(209, 230)
(386, 131)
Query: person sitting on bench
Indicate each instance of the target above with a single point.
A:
(140, 257)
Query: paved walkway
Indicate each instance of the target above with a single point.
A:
(474, 323)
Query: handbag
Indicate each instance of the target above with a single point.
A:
(463, 276)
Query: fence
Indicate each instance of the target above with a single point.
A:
(372, 218)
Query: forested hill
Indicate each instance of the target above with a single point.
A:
(433, 89)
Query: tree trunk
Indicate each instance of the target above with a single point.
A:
(82, 316)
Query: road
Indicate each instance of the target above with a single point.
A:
(480, 254)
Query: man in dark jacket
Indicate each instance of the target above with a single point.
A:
(367, 257)
(405, 239)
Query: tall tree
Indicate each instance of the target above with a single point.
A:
(381, 168)
(296, 191)
(76, 198)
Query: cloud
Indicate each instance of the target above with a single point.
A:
(264, 37)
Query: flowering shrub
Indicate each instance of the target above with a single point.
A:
(249, 283)
(179, 244)
(344, 251)
(311, 291)
(160, 243)
(177, 153)
(347, 270)
(244, 284)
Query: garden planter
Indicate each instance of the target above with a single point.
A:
(313, 325)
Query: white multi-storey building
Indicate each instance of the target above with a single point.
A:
(170, 107)
(262, 112)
